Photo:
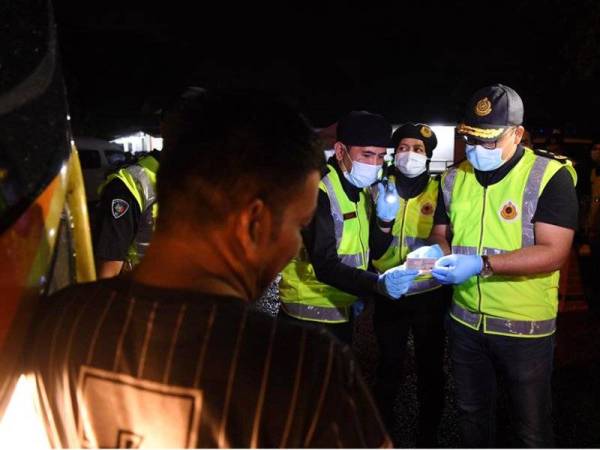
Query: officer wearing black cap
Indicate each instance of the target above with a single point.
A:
(330, 272)
(509, 213)
(422, 309)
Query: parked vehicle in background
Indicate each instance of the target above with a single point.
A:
(98, 157)
(45, 241)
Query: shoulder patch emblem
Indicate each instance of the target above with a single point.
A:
(483, 107)
(427, 209)
(509, 211)
(119, 207)
(425, 132)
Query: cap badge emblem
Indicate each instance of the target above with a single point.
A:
(425, 132)
(509, 211)
(483, 107)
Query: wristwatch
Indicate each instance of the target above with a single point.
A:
(486, 270)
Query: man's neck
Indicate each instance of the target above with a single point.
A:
(205, 266)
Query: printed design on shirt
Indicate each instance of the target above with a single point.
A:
(119, 207)
(509, 211)
(427, 209)
(118, 410)
(483, 107)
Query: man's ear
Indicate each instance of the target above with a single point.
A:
(340, 153)
(254, 227)
(519, 134)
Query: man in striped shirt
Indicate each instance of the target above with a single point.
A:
(171, 355)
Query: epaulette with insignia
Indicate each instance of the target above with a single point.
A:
(546, 154)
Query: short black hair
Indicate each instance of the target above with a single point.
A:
(227, 146)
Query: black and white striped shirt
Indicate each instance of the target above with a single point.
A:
(118, 364)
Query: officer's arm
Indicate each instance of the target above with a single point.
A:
(550, 251)
(118, 219)
(320, 244)
(440, 235)
(108, 269)
(555, 221)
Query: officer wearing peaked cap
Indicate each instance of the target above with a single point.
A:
(512, 213)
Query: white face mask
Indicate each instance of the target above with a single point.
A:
(411, 164)
(362, 175)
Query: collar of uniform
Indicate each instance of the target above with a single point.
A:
(351, 191)
(494, 176)
(410, 187)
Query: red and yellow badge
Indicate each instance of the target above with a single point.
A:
(509, 211)
(425, 131)
(483, 107)
(427, 209)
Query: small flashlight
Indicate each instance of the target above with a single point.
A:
(390, 197)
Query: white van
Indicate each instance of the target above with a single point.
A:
(98, 157)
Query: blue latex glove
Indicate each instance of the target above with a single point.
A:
(427, 251)
(358, 307)
(456, 269)
(388, 201)
(395, 282)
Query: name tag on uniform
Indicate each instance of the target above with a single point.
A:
(350, 215)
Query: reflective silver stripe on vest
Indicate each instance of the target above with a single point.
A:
(413, 243)
(520, 327)
(467, 250)
(317, 313)
(422, 285)
(355, 260)
(493, 251)
(447, 187)
(505, 326)
(144, 185)
(530, 200)
(464, 250)
(471, 318)
(336, 211)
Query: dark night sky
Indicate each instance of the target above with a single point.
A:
(417, 62)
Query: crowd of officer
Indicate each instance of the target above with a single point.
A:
(498, 225)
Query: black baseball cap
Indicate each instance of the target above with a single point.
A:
(364, 129)
(490, 111)
(416, 131)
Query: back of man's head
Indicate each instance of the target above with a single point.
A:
(226, 148)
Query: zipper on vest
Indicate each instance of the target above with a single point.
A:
(401, 237)
(480, 248)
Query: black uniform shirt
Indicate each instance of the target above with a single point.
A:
(557, 204)
(118, 364)
(319, 241)
(117, 223)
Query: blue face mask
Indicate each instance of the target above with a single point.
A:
(484, 159)
(362, 175)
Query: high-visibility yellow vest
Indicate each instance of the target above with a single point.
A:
(496, 220)
(140, 180)
(302, 295)
(410, 231)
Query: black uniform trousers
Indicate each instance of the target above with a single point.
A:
(423, 314)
